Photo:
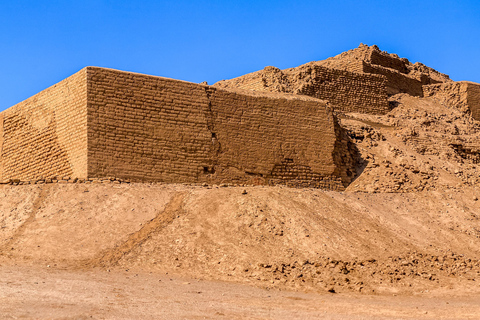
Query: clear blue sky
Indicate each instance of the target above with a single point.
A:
(45, 41)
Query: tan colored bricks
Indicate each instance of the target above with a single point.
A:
(103, 123)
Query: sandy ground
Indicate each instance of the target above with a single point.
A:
(65, 250)
(47, 293)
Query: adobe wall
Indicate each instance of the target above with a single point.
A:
(396, 82)
(462, 95)
(346, 91)
(473, 99)
(278, 140)
(402, 76)
(387, 61)
(147, 128)
(45, 135)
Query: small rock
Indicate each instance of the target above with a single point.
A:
(244, 192)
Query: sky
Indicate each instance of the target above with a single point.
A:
(43, 42)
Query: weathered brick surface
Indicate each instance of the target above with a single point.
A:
(346, 91)
(45, 135)
(473, 99)
(156, 129)
(397, 82)
(102, 123)
(145, 128)
(387, 61)
(402, 76)
(463, 95)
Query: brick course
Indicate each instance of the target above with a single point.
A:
(397, 82)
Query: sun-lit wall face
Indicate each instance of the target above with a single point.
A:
(473, 99)
(103, 124)
(345, 90)
(45, 135)
(146, 128)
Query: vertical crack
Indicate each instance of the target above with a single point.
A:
(216, 146)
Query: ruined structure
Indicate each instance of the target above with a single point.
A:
(268, 127)
(358, 80)
(103, 123)
(462, 95)
(346, 91)
(401, 75)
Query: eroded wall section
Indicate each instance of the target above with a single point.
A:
(462, 95)
(346, 91)
(45, 135)
(275, 139)
(473, 99)
(147, 128)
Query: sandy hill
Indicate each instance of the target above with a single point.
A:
(275, 237)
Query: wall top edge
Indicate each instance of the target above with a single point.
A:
(257, 94)
(83, 70)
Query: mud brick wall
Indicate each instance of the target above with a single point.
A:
(387, 61)
(276, 140)
(473, 99)
(461, 95)
(396, 81)
(353, 66)
(45, 135)
(147, 128)
(347, 91)
(102, 123)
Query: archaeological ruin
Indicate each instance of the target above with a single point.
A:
(108, 124)
(265, 128)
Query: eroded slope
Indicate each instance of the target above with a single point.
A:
(268, 236)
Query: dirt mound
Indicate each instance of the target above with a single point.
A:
(422, 144)
(302, 239)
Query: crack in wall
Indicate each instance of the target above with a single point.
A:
(210, 119)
